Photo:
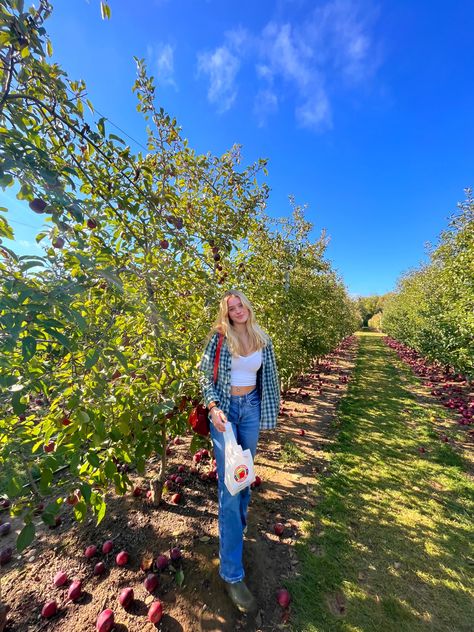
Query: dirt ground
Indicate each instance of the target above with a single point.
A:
(200, 603)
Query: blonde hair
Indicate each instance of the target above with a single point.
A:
(258, 338)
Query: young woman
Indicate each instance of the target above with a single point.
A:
(247, 396)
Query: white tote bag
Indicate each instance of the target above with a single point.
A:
(239, 470)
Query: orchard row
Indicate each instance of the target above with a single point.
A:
(433, 309)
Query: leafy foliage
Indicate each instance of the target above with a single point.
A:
(433, 309)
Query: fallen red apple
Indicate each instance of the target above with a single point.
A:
(175, 554)
(181, 469)
(155, 612)
(49, 609)
(60, 579)
(176, 499)
(90, 551)
(107, 546)
(126, 597)
(5, 528)
(105, 621)
(278, 528)
(137, 491)
(162, 562)
(75, 590)
(151, 582)
(122, 558)
(283, 597)
(301, 432)
(6, 555)
(99, 568)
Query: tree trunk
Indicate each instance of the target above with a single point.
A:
(157, 482)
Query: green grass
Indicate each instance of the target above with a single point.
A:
(290, 453)
(389, 546)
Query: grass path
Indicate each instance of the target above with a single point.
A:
(389, 545)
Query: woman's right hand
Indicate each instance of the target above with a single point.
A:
(218, 419)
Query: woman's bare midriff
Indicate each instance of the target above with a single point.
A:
(241, 390)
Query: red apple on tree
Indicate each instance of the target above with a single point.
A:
(37, 205)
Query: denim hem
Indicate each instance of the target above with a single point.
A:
(232, 581)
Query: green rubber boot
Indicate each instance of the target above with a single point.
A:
(241, 596)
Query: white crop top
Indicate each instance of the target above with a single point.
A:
(244, 369)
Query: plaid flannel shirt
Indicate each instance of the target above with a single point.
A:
(267, 381)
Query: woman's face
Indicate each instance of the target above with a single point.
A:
(238, 313)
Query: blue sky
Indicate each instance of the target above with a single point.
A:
(363, 108)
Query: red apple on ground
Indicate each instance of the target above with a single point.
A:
(49, 609)
(122, 558)
(176, 499)
(175, 554)
(278, 528)
(6, 555)
(126, 597)
(90, 551)
(107, 546)
(283, 597)
(162, 562)
(99, 568)
(151, 582)
(155, 612)
(75, 590)
(60, 579)
(301, 432)
(105, 621)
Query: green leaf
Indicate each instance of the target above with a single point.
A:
(120, 357)
(100, 508)
(91, 359)
(85, 491)
(28, 348)
(61, 338)
(80, 510)
(26, 537)
(110, 468)
(93, 459)
(179, 577)
(45, 480)
(101, 126)
(105, 10)
(117, 138)
(13, 487)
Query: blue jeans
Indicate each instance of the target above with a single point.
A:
(244, 415)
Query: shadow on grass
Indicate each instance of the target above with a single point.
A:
(394, 524)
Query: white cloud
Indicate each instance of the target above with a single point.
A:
(329, 49)
(266, 103)
(221, 67)
(162, 61)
